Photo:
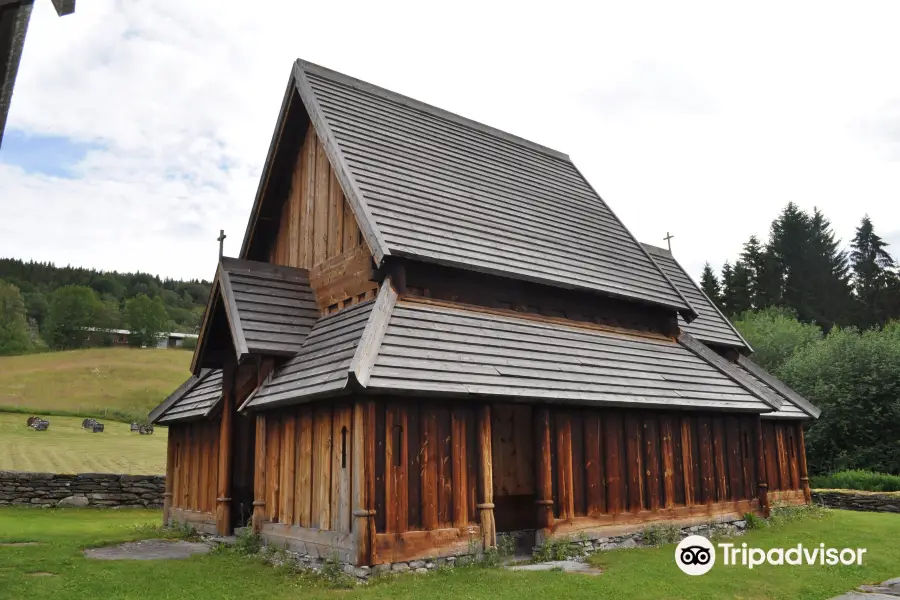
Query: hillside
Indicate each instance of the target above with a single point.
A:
(108, 383)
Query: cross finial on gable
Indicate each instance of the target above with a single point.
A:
(221, 240)
(668, 239)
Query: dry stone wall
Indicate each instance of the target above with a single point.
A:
(84, 489)
(850, 500)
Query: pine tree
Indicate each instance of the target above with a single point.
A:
(831, 300)
(710, 285)
(874, 280)
(764, 284)
(735, 289)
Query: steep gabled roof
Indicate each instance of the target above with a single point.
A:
(429, 185)
(710, 326)
(415, 346)
(269, 309)
(195, 399)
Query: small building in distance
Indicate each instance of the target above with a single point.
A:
(120, 337)
(437, 332)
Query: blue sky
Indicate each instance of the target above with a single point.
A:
(138, 130)
(52, 155)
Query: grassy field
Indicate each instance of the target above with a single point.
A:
(110, 383)
(67, 448)
(640, 573)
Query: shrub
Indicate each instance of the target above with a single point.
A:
(776, 335)
(248, 543)
(857, 480)
(557, 549)
(754, 521)
(659, 535)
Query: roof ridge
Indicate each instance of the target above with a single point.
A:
(428, 108)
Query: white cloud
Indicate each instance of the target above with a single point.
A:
(703, 119)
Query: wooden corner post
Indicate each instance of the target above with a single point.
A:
(763, 485)
(223, 498)
(486, 506)
(363, 524)
(170, 478)
(801, 457)
(544, 473)
(259, 475)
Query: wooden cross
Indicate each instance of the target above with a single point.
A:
(668, 239)
(221, 240)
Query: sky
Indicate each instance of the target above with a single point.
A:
(139, 129)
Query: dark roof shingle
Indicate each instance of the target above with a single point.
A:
(194, 399)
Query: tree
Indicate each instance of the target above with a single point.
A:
(14, 335)
(710, 285)
(147, 319)
(855, 380)
(735, 289)
(36, 307)
(775, 335)
(72, 310)
(764, 285)
(831, 299)
(873, 276)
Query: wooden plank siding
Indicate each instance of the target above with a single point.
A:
(783, 451)
(194, 465)
(308, 467)
(319, 232)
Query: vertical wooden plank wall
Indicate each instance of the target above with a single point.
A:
(194, 465)
(425, 466)
(611, 462)
(308, 463)
(319, 232)
(785, 455)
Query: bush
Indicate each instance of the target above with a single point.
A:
(189, 344)
(14, 334)
(855, 380)
(659, 535)
(857, 480)
(775, 335)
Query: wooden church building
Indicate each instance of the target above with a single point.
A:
(437, 331)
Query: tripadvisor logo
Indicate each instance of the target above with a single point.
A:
(696, 555)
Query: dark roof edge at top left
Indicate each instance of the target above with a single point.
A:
(14, 18)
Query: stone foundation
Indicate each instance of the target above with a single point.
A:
(855, 500)
(580, 547)
(84, 489)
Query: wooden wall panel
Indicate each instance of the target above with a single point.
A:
(194, 465)
(634, 461)
(321, 468)
(303, 477)
(397, 463)
(340, 469)
(595, 473)
(652, 465)
(613, 434)
(319, 232)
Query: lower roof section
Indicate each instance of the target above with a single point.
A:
(195, 399)
(461, 351)
(794, 406)
(415, 346)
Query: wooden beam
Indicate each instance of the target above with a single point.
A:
(718, 442)
(488, 525)
(687, 460)
(565, 482)
(288, 467)
(763, 485)
(615, 496)
(259, 475)
(458, 458)
(359, 501)
(370, 478)
(303, 480)
(544, 477)
(801, 457)
(170, 477)
(651, 460)
(634, 463)
(223, 498)
(668, 460)
(595, 477)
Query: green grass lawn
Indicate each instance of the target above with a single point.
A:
(111, 383)
(67, 448)
(641, 573)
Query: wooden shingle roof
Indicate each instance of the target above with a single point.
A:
(794, 405)
(432, 186)
(710, 326)
(196, 398)
(413, 346)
